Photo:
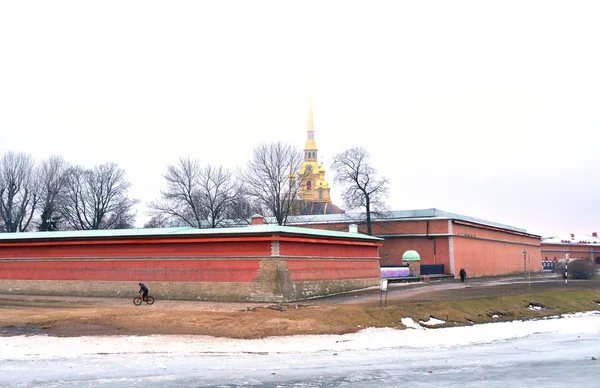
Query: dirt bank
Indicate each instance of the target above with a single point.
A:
(475, 301)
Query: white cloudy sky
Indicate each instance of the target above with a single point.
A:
(488, 109)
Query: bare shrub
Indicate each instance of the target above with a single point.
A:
(559, 268)
(581, 269)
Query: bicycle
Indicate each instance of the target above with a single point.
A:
(138, 300)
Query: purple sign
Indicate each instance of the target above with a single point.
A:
(394, 272)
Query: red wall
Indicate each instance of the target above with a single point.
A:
(469, 230)
(487, 257)
(292, 248)
(396, 246)
(408, 227)
(165, 259)
(135, 248)
(304, 270)
(132, 270)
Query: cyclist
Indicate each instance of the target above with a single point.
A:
(143, 289)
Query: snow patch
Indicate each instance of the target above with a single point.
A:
(495, 316)
(432, 322)
(410, 323)
(534, 307)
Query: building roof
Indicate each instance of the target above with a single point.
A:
(572, 239)
(425, 214)
(316, 207)
(182, 232)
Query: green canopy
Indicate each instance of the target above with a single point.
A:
(411, 256)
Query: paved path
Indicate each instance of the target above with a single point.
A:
(408, 291)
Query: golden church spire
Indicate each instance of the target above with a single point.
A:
(311, 125)
(314, 189)
(310, 147)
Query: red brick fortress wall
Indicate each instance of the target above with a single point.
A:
(244, 268)
(488, 251)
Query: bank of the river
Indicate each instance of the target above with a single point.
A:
(477, 301)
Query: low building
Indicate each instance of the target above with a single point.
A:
(578, 246)
(253, 263)
(444, 240)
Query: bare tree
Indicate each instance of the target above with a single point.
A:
(197, 194)
(52, 175)
(220, 192)
(271, 179)
(362, 187)
(97, 198)
(181, 199)
(157, 221)
(242, 209)
(19, 196)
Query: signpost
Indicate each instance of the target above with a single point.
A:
(529, 273)
(383, 286)
(566, 271)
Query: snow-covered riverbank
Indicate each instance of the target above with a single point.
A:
(371, 355)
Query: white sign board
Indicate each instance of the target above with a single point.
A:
(383, 285)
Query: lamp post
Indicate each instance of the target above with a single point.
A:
(525, 262)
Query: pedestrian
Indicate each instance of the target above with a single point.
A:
(463, 275)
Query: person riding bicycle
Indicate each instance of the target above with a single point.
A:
(143, 289)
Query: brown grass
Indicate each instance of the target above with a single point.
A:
(63, 316)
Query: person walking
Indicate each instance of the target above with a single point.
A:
(463, 275)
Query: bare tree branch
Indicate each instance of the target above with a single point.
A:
(97, 198)
(362, 187)
(197, 195)
(270, 178)
(19, 191)
(157, 221)
(52, 184)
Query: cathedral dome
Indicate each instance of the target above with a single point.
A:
(310, 145)
(315, 208)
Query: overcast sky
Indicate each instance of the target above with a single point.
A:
(487, 109)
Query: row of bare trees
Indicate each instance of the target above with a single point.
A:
(204, 195)
(55, 195)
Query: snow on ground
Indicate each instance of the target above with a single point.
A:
(432, 322)
(44, 347)
(410, 324)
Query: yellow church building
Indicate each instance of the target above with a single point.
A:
(315, 191)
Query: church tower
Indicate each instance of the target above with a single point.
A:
(315, 189)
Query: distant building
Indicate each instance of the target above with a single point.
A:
(578, 246)
(446, 242)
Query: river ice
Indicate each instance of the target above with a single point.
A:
(551, 351)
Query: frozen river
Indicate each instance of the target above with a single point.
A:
(554, 352)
